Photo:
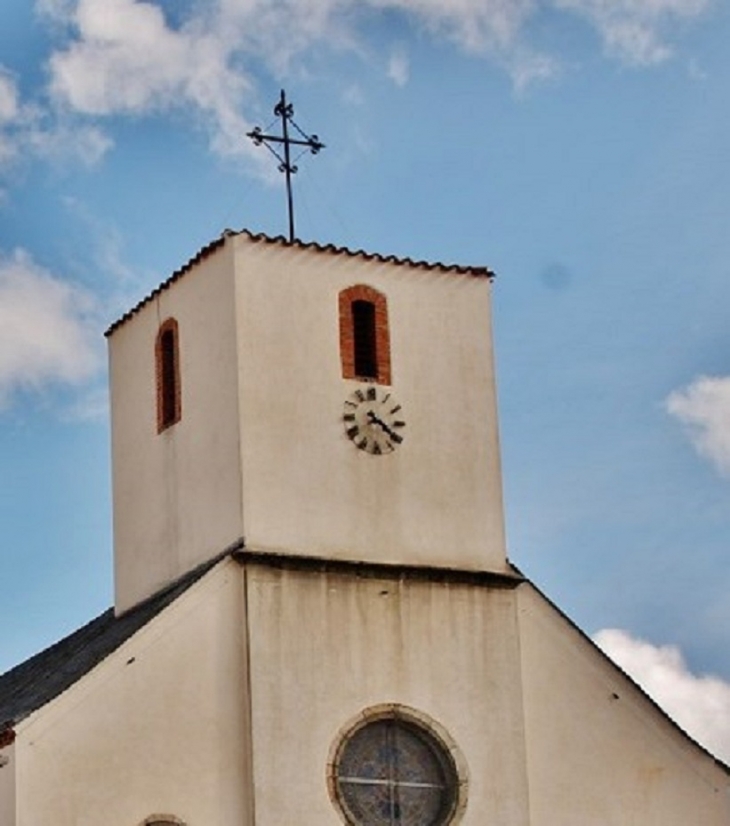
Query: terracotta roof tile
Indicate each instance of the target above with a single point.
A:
(330, 249)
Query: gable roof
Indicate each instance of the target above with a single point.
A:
(37, 681)
(328, 249)
(40, 679)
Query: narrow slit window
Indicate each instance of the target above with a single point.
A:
(365, 344)
(168, 375)
(364, 334)
(169, 378)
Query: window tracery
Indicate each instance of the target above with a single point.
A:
(392, 770)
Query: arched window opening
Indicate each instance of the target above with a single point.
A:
(168, 375)
(364, 334)
(364, 345)
(169, 382)
(162, 820)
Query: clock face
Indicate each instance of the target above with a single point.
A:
(373, 420)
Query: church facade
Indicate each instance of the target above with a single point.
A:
(315, 618)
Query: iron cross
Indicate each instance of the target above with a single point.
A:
(285, 111)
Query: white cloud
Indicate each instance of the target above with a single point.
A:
(55, 9)
(124, 56)
(29, 129)
(635, 31)
(127, 57)
(695, 70)
(11, 117)
(476, 25)
(83, 142)
(526, 68)
(398, 68)
(8, 98)
(106, 243)
(699, 704)
(46, 335)
(704, 407)
(89, 406)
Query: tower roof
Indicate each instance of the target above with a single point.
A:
(326, 249)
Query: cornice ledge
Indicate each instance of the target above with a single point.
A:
(378, 570)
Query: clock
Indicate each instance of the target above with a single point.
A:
(373, 420)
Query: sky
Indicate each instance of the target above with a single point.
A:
(579, 148)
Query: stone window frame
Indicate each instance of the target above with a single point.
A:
(162, 820)
(410, 716)
(169, 410)
(347, 297)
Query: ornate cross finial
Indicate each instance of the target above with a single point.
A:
(285, 111)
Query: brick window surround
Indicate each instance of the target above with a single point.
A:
(167, 374)
(381, 356)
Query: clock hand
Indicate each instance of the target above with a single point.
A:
(375, 420)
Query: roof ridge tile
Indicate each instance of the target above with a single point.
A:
(330, 248)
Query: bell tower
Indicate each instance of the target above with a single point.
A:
(305, 452)
(305, 400)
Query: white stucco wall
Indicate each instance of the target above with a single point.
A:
(7, 786)
(177, 494)
(437, 499)
(260, 451)
(598, 751)
(226, 707)
(248, 679)
(326, 647)
(159, 727)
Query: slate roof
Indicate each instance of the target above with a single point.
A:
(330, 249)
(37, 681)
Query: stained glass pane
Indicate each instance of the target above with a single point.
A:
(392, 773)
(369, 804)
(422, 806)
(416, 759)
(366, 753)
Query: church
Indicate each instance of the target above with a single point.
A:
(315, 620)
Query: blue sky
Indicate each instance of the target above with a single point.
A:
(577, 147)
